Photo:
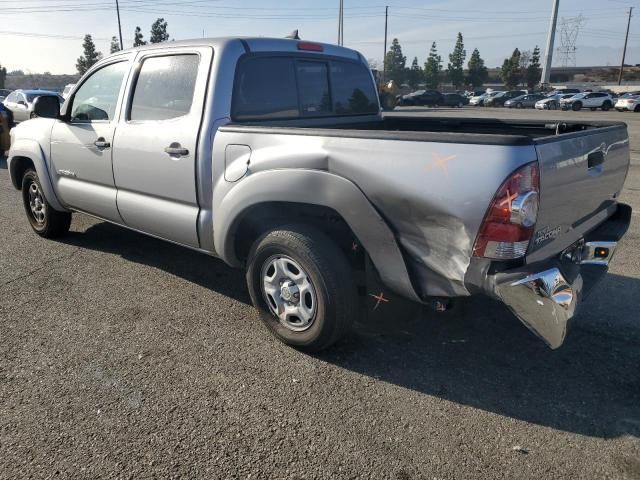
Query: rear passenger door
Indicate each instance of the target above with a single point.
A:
(156, 142)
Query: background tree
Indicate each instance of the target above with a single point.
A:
(138, 38)
(510, 72)
(395, 63)
(3, 76)
(90, 56)
(159, 31)
(115, 45)
(455, 68)
(477, 73)
(433, 68)
(415, 74)
(533, 69)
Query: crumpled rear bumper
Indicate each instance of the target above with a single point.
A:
(545, 295)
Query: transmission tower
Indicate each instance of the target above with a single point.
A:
(569, 30)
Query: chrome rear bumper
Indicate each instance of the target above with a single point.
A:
(545, 295)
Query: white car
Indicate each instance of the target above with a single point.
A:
(552, 102)
(629, 103)
(478, 100)
(592, 100)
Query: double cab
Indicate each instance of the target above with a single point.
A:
(273, 155)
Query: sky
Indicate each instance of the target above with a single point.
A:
(46, 35)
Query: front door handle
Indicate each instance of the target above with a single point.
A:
(101, 143)
(176, 150)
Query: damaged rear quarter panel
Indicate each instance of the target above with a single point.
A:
(434, 195)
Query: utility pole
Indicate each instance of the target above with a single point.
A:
(119, 26)
(384, 56)
(548, 54)
(624, 51)
(341, 24)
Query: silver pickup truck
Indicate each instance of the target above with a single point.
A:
(272, 155)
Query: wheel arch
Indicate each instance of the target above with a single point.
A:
(25, 154)
(261, 193)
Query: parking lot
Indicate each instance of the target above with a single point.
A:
(124, 356)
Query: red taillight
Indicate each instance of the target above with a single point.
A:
(310, 47)
(510, 220)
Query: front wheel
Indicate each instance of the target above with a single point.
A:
(303, 286)
(44, 220)
(576, 106)
(553, 106)
(518, 105)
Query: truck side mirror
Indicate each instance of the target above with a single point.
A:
(47, 106)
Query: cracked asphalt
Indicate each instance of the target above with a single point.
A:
(122, 356)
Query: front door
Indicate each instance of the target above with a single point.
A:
(155, 145)
(81, 147)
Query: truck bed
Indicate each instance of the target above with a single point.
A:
(440, 129)
(432, 179)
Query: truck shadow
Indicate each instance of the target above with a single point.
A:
(477, 355)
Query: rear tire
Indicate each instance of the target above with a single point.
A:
(44, 220)
(606, 106)
(637, 109)
(303, 260)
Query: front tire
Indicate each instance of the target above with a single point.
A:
(44, 220)
(303, 286)
(577, 106)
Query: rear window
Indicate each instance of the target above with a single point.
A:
(281, 87)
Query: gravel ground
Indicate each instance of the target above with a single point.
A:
(124, 356)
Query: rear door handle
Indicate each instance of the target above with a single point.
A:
(101, 143)
(175, 150)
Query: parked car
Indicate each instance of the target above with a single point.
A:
(292, 173)
(592, 100)
(430, 98)
(563, 91)
(478, 100)
(4, 93)
(20, 102)
(630, 103)
(474, 93)
(502, 97)
(67, 90)
(630, 94)
(524, 101)
(454, 100)
(552, 102)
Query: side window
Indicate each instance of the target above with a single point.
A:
(13, 97)
(266, 89)
(313, 81)
(164, 88)
(97, 97)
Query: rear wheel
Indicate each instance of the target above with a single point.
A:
(303, 286)
(44, 220)
(637, 109)
(606, 106)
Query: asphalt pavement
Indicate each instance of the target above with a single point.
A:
(122, 356)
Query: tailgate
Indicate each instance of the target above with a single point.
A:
(581, 176)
